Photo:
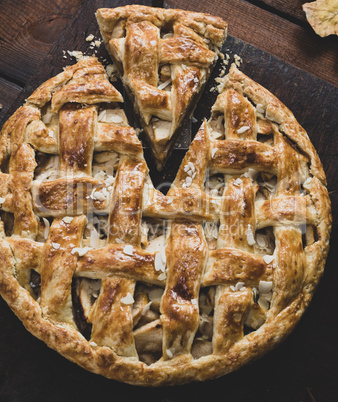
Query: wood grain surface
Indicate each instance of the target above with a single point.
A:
(273, 30)
(27, 33)
(280, 51)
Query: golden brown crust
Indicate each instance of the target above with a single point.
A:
(76, 138)
(125, 214)
(56, 301)
(111, 319)
(84, 82)
(230, 311)
(164, 58)
(276, 112)
(236, 156)
(229, 264)
(113, 261)
(13, 130)
(186, 254)
(51, 198)
(203, 24)
(256, 270)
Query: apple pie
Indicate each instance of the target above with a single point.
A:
(153, 289)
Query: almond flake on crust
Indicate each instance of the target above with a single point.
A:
(128, 299)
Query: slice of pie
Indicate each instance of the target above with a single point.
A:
(164, 58)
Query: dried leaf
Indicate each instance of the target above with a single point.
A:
(323, 16)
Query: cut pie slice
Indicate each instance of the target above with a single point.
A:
(164, 58)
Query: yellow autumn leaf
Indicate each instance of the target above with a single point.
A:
(323, 16)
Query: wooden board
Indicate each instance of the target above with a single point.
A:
(303, 368)
(275, 27)
(26, 36)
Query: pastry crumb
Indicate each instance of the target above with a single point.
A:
(77, 54)
(90, 38)
(238, 60)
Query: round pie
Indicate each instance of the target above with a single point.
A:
(153, 289)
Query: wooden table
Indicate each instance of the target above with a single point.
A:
(281, 51)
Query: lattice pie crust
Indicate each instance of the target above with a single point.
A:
(155, 289)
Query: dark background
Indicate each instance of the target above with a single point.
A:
(280, 51)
